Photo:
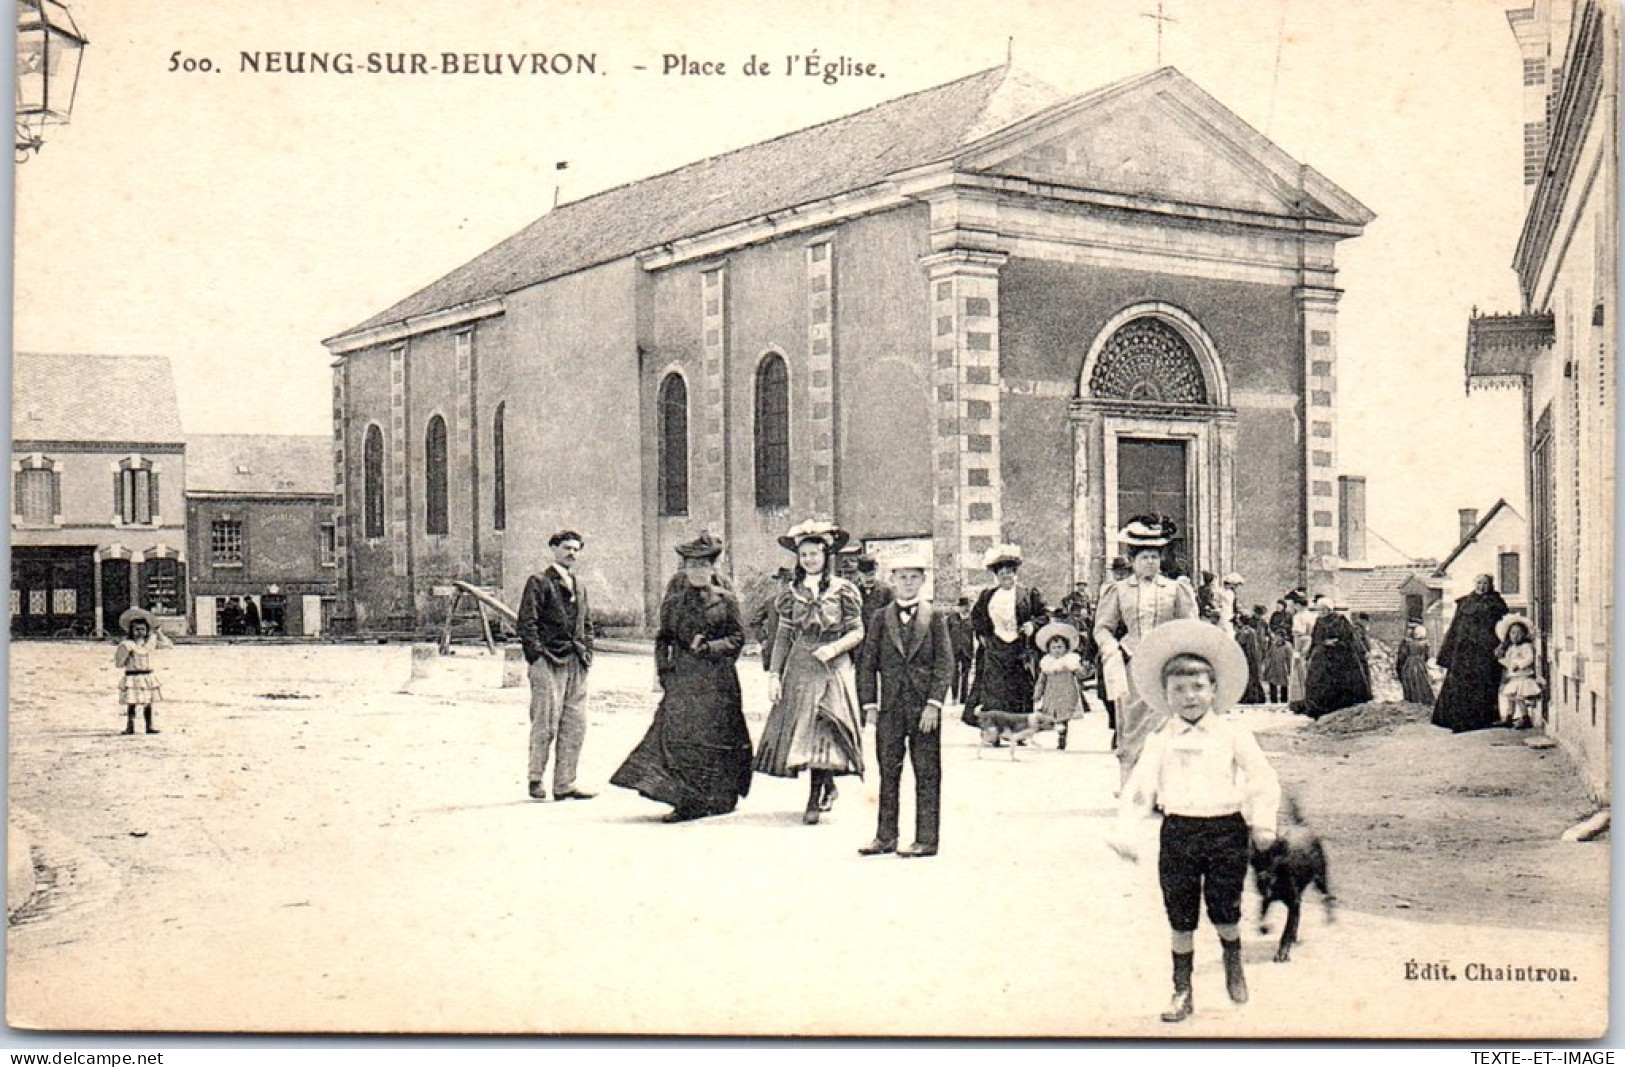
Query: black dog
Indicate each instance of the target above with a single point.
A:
(1286, 869)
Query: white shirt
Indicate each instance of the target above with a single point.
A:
(1204, 769)
(564, 573)
(1001, 611)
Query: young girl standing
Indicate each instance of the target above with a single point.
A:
(1520, 688)
(1058, 694)
(139, 687)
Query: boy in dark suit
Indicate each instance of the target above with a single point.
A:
(904, 671)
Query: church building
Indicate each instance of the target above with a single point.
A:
(980, 313)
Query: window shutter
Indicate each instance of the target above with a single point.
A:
(118, 493)
(152, 496)
(56, 495)
(17, 493)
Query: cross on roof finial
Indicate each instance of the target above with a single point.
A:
(1159, 18)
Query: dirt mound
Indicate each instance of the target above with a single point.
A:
(1377, 716)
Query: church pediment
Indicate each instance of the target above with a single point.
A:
(1162, 140)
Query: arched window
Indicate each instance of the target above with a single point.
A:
(499, 470)
(434, 493)
(1149, 360)
(773, 433)
(373, 482)
(673, 414)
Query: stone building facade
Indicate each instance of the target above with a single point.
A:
(98, 518)
(984, 312)
(1560, 351)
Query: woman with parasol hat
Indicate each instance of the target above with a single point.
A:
(696, 755)
(139, 687)
(815, 723)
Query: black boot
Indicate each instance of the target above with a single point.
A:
(826, 800)
(1060, 740)
(147, 715)
(1234, 980)
(1180, 1008)
(129, 721)
(815, 798)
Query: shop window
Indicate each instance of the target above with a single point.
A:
(161, 586)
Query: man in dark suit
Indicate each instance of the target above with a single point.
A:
(556, 632)
(904, 671)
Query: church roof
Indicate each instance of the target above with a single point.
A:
(988, 122)
(70, 397)
(851, 152)
(260, 464)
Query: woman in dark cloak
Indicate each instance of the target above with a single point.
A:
(1336, 676)
(1250, 636)
(1470, 698)
(696, 755)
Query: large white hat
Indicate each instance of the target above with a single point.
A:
(1234, 579)
(1189, 637)
(1505, 624)
(1002, 554)
(816, 530)
(1145, 533)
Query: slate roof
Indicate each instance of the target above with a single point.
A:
(68, 397)
(1377, 590)
(849, 153)
(259, 464)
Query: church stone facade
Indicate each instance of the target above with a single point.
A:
(984, 312)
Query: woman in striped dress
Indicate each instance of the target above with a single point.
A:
(815, 724)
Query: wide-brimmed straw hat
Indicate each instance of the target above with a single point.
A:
(1190, 637)
(1145, 533)
(133, 615)
(1234, 579)
(1064, 630)
(704, 546)
(1507, 622)
(998, 554)
(833, 536)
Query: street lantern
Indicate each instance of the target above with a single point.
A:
(49, 46)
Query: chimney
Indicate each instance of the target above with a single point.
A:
(1469, 519)
(1351, 518)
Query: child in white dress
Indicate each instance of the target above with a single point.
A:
(1058, 694)
(139, 687)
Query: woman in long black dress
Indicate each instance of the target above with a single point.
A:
(1004, 618)
(696, 755)
(1336, 674)
(1470, 698)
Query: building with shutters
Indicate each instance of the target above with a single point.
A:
(1560, 351)
(98, 467)
(983, 312)
(259, 516)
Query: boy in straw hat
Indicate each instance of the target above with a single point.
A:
(1207, 775)
(1129, 610)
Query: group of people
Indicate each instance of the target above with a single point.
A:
(1492, 667)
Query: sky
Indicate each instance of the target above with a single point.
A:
(232, 220)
